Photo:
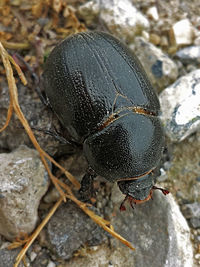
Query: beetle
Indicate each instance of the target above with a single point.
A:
(101, 94)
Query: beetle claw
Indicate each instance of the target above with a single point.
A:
(122, 206)
(131, 201)
(164, 191)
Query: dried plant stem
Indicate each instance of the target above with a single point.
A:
(32, 238)
(14, 106)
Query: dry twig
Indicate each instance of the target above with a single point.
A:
(14, 106)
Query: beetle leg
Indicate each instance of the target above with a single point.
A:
(87, 190)
(131, 201)
(122, 206)
(164, 191)
(57, 136)
(34, 77)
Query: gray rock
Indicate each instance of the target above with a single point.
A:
(185, 169)
(102, 256)
(158, 231)
(38, 116)
(42, 259)
(120, 17)
(70, 228)
(7, 257)
(191, 210)
(192, 213)
(189, 54)
(159, 67)
(180, 106)
(194, 222)
(23, 182)
(89, 12)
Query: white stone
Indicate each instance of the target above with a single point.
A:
(23, 182)
(51, 264)
(183, 32)
(145, 35)
(182, 230)
(33, 256)
(189, 54)
(152, 12)
(197, 256)
(119, 16)
(180, 105)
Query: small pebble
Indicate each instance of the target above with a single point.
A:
(154, 39)
(197, 256)
(198, 179)
(152, 13)
(33, 255)
(52, 196)
(183, 32)
(164, 41)
(189, 54)
(51, 264)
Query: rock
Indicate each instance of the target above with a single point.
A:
(7, 257)
(164, 41)
(102, 256)
(157, 230)
(159, 67)
(145, 35)
(163, 176)
(120, 17)
(180, 106)
(185, 169)
(38, 116)
(189, 54)
(152, 12)
(197, 256)
(42, 259)
(192, 213)
(195, 222)
(70, 228)
(190, 68)
(23, 182)
(191, 210)
(154, 39)
(52, 196)
(197, 40)
(51, 264)
(33, 256)
(89, 11)
(183, 32)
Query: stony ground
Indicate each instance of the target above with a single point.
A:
(159, 229)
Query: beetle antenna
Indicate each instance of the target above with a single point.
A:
(164, 191)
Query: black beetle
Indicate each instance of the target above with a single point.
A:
(102, 96)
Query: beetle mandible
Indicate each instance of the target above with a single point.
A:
(102, 96)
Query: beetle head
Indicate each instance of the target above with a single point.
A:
(138, 190)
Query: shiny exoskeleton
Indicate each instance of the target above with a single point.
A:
(102, 96)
